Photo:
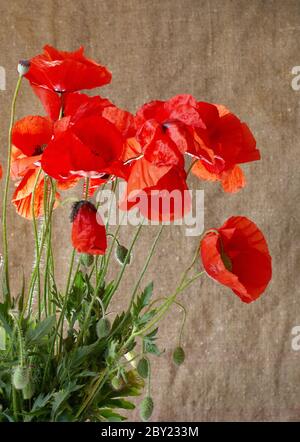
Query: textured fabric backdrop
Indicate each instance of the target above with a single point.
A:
(239, 362)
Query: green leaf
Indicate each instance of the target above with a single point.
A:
(81, 354)
(120, 403)
(41, 401)
(2, 338)
(142, 300)
(35, 336)
(60, 398)
(111, 416)
(152, 348)
(4, 318)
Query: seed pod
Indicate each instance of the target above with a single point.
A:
(28, 391)
(178, 355)
(103, 328)
(143, 368)
(86, 259)
(121, 253)
(20, 377)
(146, 408)
(117, 383)
(23, 67)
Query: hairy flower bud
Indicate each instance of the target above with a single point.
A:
(23, 67)
(178, 355)
(121, 254)
(103, 328)
(117, 383)
(143, 368)
(146, 408)
(28, 391)
(20, 377)
(86, 259)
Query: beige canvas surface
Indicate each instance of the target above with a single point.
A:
(239, 361)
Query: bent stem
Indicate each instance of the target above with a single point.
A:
(6, 286)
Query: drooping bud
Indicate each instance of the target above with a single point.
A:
(117, 383)
(121, 254)
(23, 67)
(28, 391)
(88, 230)
(103, 328)
(20, 377)
(178, 355)
(143, 368)
(146, 408)
(86, 259)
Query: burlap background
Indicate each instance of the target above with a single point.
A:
(239, 364)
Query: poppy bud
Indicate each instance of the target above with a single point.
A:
(103, 328)
(28, 391)
(121, 254)
(117, 383)
(88, 230)
(146, 408)
(143, 368)
(23, 67)
(178, 355)
(20, 377)
(86, 259)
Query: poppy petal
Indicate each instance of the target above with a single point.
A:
(31, 133)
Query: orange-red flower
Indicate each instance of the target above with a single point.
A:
(228, 142)
(88, 230)
(156, 182)
(89, 140)
(237, 256)
(30, 136)
(55, 72)
(172, 123)
(92, 146)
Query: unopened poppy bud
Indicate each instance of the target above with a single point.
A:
(146, 408)
(117, 383)
(88, 230)
(178, 355)
(20, 377)
(86, 259)
(28, 391)
(121, 254)
(103, 328)
(143, 368)
(23, 67)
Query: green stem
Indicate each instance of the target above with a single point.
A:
(6, 286)
(121, 273)
(61, 318)
(36, 240)
(34, 273)
(150, 254)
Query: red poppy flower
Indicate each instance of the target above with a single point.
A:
(228, 142)
(170, 122)
(156, 183)
(54, 72)
(237, 256)
(31, 134)
(23, 196)
(88, 230)
(92, 146)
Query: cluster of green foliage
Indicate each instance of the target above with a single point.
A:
(74, 369)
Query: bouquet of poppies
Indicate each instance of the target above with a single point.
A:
(64, 354)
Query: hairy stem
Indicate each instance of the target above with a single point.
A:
(6, 285)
